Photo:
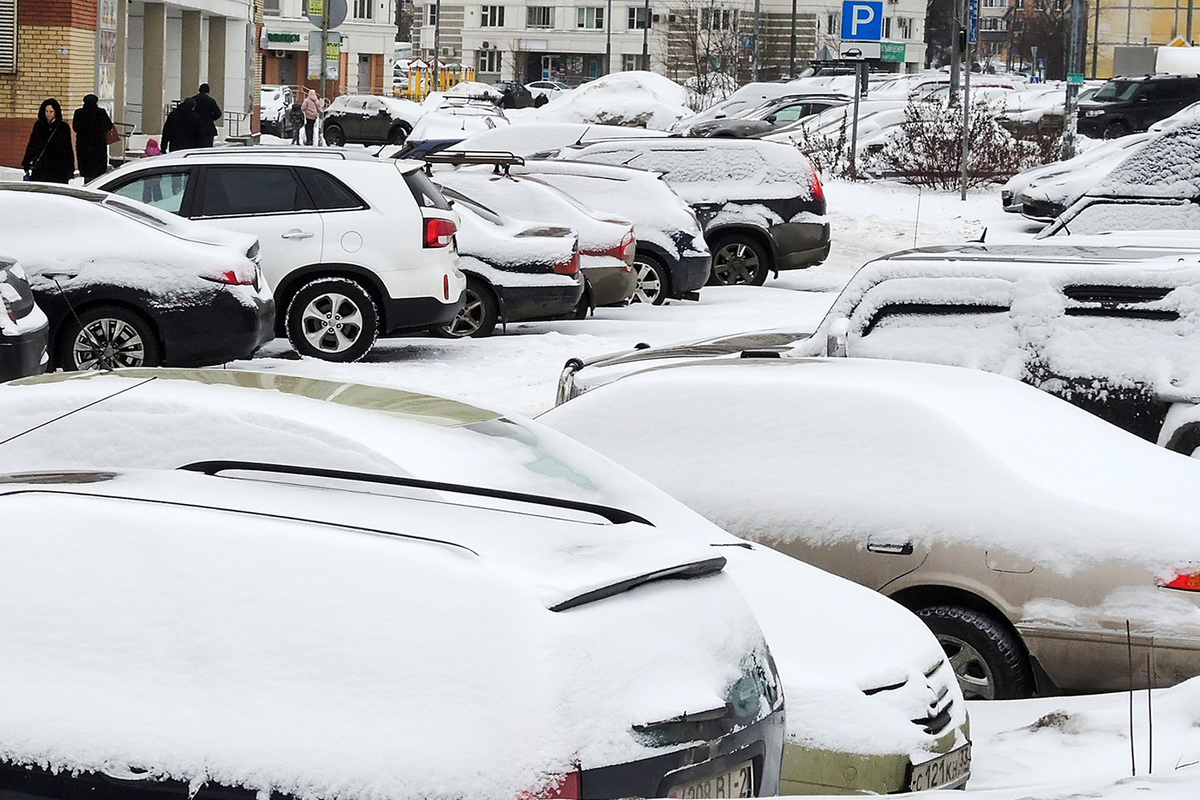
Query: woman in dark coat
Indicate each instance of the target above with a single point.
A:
(48, 155)
(91, 124)
(183, 128)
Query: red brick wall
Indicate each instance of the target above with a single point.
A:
(14, 135)
(64, 13)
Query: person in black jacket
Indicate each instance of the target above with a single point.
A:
(183, 128)
(48, 155)
(91, 124)
(210, 114)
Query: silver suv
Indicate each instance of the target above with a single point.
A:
(353, 246)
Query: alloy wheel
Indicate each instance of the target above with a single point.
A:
(970, 667)
(736, 263)
(108, 343)
(331, 322)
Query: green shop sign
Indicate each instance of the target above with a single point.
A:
(283, 37)
(892, 51)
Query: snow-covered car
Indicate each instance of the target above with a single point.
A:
(761, 203)
(547, 89)
(878, 709)
(545, 138)
(227, 630)
(353, 246)
(768, 117)
(1025, 532)
(275, 102)
(515, 271)
(672, 259)
(631, 98)
(607, 246)
(370, 119)
(1042, 193)
(24, 328)
(127, 285)
(1109, 328)
(449, 124)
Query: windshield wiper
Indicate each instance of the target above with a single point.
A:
(694, 569)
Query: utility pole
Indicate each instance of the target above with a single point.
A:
(437, 42)
(1074, 71)
(757, 20)
(1096, 38)
(320, 137)
(792, 47)
(958, 33)
(646, 38)
(608, 39)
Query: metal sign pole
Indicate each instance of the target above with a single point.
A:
(320, 137)
(858, 79)
(966, 131)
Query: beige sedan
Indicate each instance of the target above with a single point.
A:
(1025, 532)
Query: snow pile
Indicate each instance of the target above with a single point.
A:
(473, 90)
(631, 99)
(1168, 166)
(456, 123)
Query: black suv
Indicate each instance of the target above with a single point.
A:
(1129, 104)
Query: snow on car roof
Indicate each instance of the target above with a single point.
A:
(636, 99)
(1167, 166)
(525, 139)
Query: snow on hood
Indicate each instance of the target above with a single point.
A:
(947, 456)
(276, 418)
(508, 244)
(1065, 182)
(456, 123)
(331, 662)
(526, 138)
(633, 99)
(1167, 166)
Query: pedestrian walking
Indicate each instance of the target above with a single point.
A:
(183, 129)
(312, 110)
(210, 114)
(93, 128)
(48, 156)
(295, 118)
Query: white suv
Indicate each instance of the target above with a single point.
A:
(353, 246)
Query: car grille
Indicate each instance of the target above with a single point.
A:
(941, 711)
(937, 723)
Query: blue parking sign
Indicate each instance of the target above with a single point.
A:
(862, 20)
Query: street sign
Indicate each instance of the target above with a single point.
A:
(748, 42)
(1075, 79)
(337, 12)
(862, 20)
(1179, 41)
(859, 51)
(892, 52)
(973, 21)
(333, 55)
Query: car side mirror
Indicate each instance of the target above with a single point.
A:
(835, 339)
(770, 119)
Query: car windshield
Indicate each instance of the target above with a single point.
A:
(1117, 90)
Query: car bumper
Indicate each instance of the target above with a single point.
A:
(228, 327)
(1092, 126)
(411, 313)
(538, 302)
(800, 244)
(610, 285)
(1041, 210)
(24, 354)
(689, 274)
(761, 743)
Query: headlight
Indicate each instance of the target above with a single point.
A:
(1096, 112)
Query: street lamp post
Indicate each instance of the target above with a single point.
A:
(608, 39)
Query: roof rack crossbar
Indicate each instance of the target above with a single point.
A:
(616, 516)
(500, 159)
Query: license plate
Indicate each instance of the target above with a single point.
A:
(940, 771)
(737, 782)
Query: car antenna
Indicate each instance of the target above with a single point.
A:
(104, 363)
(77, 410)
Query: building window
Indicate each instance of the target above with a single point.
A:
(638, 19)
(632, 61)
(489, 61)
(995, 3)
(591, 17)
(539, 17)
(904, 27)
(363, 9)
(491, 17)
(271, 8)
(831, 24)
(887, 27)
(717, 19)
(431, 14)
(8, 35)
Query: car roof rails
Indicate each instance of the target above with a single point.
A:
(500, 160)
(287, 150)
(616, 516)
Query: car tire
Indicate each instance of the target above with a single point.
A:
(585, 302)
(107, 337)
(738, 259)
(653, 280)
(334, 319)
(1116, 130)
(478, 317)
(398, 134)
(987, 658)
(335, 136)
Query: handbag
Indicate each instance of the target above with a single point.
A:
(112, 135)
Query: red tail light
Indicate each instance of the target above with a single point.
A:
(568, 267)
(439, 232)
(246, 276)
(8, 309)
(562, 787)
(446, 286)
(625, 250)
(817, 190)
(1188, 583)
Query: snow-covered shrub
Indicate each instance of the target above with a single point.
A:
(927, 148)
(829, 152)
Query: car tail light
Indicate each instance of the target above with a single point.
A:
(625, 250)
(818, 191)
(570, 266)
(8, 309)
(242, 276)
(560, 787)
(439, 232)
(1188, 582)
(446, 286)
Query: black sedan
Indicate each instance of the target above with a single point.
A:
(24, 329)
(368, 119)
(127, 285)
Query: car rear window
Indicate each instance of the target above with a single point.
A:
(424, 192)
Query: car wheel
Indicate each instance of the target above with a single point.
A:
(585, 302)
(738, 259)
(398, 134)
(1116, 130)
(987, 658)
(653, 281)
(335, 136)
(334, 319)
(478, 317)
(107, 337)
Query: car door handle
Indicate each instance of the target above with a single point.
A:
(890, 548)
(296, 233)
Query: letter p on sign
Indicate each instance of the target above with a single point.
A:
(862, 20)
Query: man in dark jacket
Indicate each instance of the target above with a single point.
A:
(91, 124)
(183, 129)
(48, 156)
(210, 114)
